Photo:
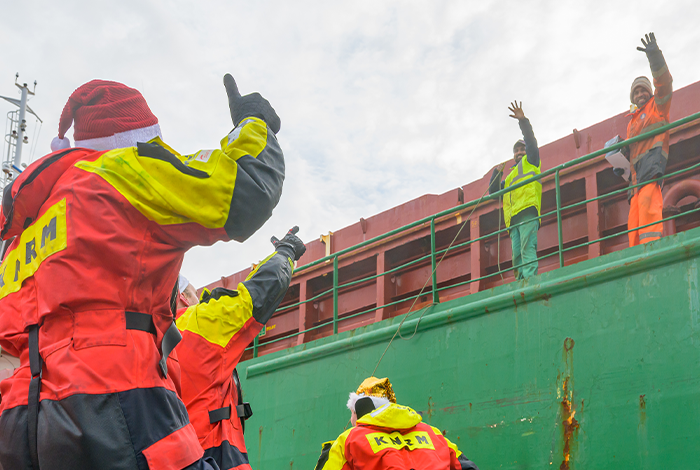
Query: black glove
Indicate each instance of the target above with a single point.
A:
(290, 245)
(619, 171)
(252, 105)
(650, 45)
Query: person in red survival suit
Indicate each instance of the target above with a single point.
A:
(388, 435)
(214, 334)
(83, 301)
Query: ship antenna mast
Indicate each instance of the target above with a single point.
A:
(12, 165)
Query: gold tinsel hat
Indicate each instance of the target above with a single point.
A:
(374, 387)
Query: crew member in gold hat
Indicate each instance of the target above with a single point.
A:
(388, 435)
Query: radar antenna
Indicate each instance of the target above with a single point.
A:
(15, 135)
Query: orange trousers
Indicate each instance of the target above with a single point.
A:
(645, 208)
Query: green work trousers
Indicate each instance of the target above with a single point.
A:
(523, 239)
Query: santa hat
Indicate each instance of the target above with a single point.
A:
(106, 115)
(643, 82)
(379, 390)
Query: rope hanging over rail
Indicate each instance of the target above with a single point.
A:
(410, 310)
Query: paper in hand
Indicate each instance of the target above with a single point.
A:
(616, 159)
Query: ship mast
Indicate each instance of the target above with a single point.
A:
(12, 164)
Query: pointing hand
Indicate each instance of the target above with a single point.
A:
(290, 244)
(252, 105)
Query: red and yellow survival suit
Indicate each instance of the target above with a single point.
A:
(393, 436)
(214, 334)
(85, 290)
(648, 157)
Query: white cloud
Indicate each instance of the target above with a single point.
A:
(380, 102)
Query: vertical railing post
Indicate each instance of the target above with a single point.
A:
(433, 261)
(335, 295)
(255, 345)
(559, 230)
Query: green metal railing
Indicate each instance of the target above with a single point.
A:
(434, 253)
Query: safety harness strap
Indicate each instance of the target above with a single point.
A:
(243, 409)
(644, 236)
(35, 366)
(144, 322)
(134, 321)
(170, 339)
(35, 361)
(219, 414)
(140, 321)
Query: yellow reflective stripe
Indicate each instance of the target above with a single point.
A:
(526, 196)
(218, 320)
(165, 195)
(642, 236)
(661, 100)
(379, 441)
(336, 456)
(42, 239)
(655, 145)
(661, 71)
(259, 265)
(655, 126)
(522, 169)
(519, 177)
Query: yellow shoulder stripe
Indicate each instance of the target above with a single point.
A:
(249, 138)
(166, 195)
(218, 320)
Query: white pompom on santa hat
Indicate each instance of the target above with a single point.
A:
(106, 115)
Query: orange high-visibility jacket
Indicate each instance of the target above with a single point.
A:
(215, 333)
(648, 157)
(393, 436)
(85, 293)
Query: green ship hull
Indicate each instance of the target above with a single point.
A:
(593, 365)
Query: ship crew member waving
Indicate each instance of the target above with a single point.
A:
(388, 435)
(648, 157)
(87, 285)
(521, 207)
(215, 332)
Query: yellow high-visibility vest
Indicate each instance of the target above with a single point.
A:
(526, 196)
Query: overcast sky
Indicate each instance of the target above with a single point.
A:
(380, 101)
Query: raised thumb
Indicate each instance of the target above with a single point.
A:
(231, 87)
